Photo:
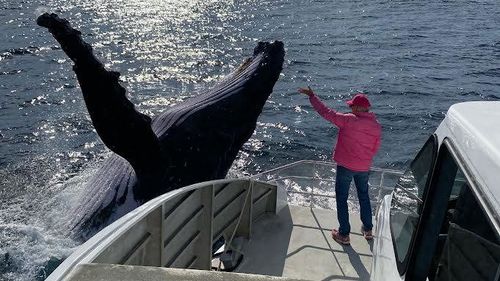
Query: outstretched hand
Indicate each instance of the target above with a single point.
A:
(308, 92)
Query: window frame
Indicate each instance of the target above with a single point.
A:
(447, 147)
(486, 207)
(403, 266)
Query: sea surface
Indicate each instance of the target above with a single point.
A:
(413, 58)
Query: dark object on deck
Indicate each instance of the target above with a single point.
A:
(194, 141)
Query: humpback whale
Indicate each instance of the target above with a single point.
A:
(194, 141)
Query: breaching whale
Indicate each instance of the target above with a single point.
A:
(194, 141)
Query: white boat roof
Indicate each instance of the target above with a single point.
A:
(475, 130)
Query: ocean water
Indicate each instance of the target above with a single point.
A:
(413, 58)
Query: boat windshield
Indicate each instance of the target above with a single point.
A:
(407, 200)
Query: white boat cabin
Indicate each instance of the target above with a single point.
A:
(442, 221)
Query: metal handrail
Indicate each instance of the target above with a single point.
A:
(322, 163)
(277, 178)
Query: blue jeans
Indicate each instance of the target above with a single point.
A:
(342, 184)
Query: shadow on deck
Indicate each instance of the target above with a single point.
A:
(297, 243)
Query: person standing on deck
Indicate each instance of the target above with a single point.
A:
(357, 143)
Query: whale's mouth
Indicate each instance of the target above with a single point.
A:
(240, 94)
(270, 51)
(275, 49)
(244, 65)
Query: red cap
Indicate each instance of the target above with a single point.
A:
(359, 100)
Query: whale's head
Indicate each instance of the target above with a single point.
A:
(200, 137)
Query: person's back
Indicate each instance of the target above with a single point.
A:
(357, 143)
(359, 133)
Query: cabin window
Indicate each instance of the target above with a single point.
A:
(468, 248)
(407, 201)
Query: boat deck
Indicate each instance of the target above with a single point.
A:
(177, 230)
(297, 243)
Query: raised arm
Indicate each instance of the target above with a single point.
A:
(121, 127)
(337, 118)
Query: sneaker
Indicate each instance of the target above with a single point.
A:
(368, 234)
(342, 239)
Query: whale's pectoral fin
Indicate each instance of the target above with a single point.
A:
(121, 127)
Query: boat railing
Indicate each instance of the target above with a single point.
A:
(312, 183)
(178, 229)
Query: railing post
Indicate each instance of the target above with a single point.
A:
(155, 228)
(245, 227)
(380, 187)
(311, 196)
(206, 229)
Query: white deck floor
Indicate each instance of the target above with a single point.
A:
(297, 243)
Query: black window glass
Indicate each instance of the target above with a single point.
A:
(471, 250)
(407, 200)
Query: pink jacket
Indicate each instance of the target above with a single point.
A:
(358, 139)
